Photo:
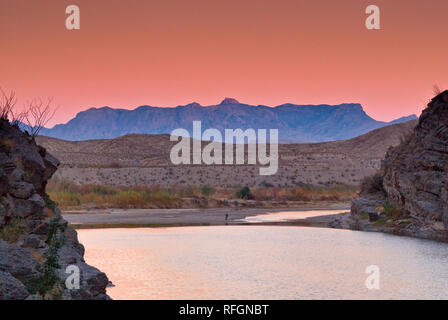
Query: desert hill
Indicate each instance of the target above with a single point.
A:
(144, 160)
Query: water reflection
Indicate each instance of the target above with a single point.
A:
(264, 262)
(289, 215)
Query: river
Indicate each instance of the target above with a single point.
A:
(265, 262)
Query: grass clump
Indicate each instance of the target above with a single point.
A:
(392, 215)
(382, 222)
(393, 211)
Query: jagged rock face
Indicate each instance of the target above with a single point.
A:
(415, 174)
(410, 194)
(36, 244)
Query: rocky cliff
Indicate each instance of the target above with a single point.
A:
(36, 244)
(410, 194)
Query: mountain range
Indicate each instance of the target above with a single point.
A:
(296, 123)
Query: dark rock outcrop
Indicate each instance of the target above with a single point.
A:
(414, 182)
(11, 288)
(36, 244)
(415, 174)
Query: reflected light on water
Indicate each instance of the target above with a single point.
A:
(289, 215)
(264, 262)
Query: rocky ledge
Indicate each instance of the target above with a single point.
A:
(36, 244)
(409, 196)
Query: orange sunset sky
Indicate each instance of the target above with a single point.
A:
(173, 52)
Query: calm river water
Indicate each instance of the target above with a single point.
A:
(265, 262)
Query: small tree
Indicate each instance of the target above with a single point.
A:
(38, 114)
(7, 104)
(244, 193)
(206, 191)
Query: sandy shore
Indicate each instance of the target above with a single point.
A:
(114, 218)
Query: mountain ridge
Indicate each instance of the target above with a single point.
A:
(296, 123)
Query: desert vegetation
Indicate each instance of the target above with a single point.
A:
(372, 184)
(392, 215)
(69, 195)
(33, 116)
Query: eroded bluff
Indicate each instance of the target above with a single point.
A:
(36, 243)
(409, 196)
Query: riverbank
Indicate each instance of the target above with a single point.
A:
(135, 218)
(333, 216)
(408, 226)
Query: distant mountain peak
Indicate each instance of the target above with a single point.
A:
(404, 119)
(193, 104)
(228, 101)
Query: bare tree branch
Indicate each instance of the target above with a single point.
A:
(38, 114)
(7, 104)
(17, 117)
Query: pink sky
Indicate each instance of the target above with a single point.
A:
(173, 52)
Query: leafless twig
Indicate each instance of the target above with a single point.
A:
(17, 117)
(7, 104)
(38, 114)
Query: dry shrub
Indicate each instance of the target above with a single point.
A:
(70, 195)
(302, 195)
(372, 184)
(335, 192)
